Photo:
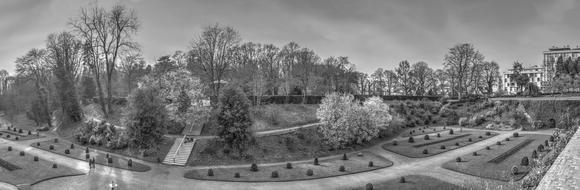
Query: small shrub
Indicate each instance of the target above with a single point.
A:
(72, 146)
(457, 144)
(67, 151)
(309, 172)
(540, 148)
(551, 138)
(474, 153)
(425, 151)
(507, 139)
(534, 154)
(525, 161)
(110, 160)
(237, 175)
(371, 164)
(487, 133)
(55, 140)
(130, 163)
(16, 138)
(20, 131)
(411, 140)
(316, 161)
(395, 143)
(469, 140)
(38, 144)
(9, 148)
(159, 160)
(402, 180)
(54, 166)
(87, 150)
(451, 131)
(488, 148)
(480, 137)
(51, 147)
(516, 134)
(546, 143)
(438, 135)
(369, 186)
(29, 132)
(514, 170)
(274, 174)
(107, 155)
(21, 153)
(254, 167)
(210, 172)
(344, 157)
(36, 158)
(87, 156)
(288, 165)
(458, 159)
(426, 137)
(442, 146)
(498, 143)
(341, 169)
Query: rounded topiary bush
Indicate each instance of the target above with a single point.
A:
(110, 160)
(442, 147)
(72, 146)
(21, 153)
(54, 166)
(480, 137)
(534, 154)
(474, 153)
(36, 158)
(369, 186)
(130, 163)
(451, 131)
(458, 159)
(411, 140)
(507, 139)
(395, 143)
(540, 148)
(309, 172)
(551, 138)
(498, 143)
(402, 180)
(16, 138)
(9, 148)
(7, 136)
(344, 157)
(316, 161)
(29, 132)
(426, 137)
(488, 148)
(438, 135)
(546, 143)
(210, 172)
(515, 170)
(341, 169)
(425, 151)
(487, 133)
(516, 134)
(55, 140)
(38, 144)
(67, 151)
(371, 164)
(288, 165)
(469, 139)
(525, 161)
(87, 156)
(274, 174)
(51, 147)
(20, 131)
(457, 144)
(254, 167)
(237, 175)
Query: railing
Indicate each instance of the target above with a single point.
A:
(178, 147)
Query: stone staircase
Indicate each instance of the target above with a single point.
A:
(179, 152)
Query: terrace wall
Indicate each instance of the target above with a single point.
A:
(564, 172)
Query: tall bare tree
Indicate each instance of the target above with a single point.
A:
(422, 75)
(459, 62)
(491, 76)
(106, 33)
(404, 76)
(213, 52)
(33, 66)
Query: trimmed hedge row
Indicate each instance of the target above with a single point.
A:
(440, 141)
(298, 99)
(506, 154)
(8, 166)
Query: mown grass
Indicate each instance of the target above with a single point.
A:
(480, 166)
(413, 182)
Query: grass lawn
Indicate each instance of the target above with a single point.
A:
(497, 162)
(433, 145)
(422, 130)
(29, 171)
(20, 122)
(16, 135)
(414, 182)
(279, 116)
(303, 144)
(326, 168)
(78, 152)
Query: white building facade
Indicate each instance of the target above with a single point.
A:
(535, 73)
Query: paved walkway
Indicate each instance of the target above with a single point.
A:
(540, 98)
(564, 172)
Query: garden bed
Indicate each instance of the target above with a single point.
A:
(329, 167)
(18, 135)
(413, 182)
(79, 153)
(511, 152)
(302, 144)
(29, 171)
(423, 130)
(436, 145)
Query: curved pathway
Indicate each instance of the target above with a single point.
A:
(168, 177)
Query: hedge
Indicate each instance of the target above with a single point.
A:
(506, 154)
(440, 141)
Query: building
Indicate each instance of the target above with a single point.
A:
(536, 74)
(551, 57)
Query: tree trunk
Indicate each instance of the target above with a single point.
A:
(101, 95)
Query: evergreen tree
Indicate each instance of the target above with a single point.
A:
(147, 120)
(234, 119)
(184, 102)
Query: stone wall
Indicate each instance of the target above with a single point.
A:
(565, 172)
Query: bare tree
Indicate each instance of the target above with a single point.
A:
(33, 66)
(491, 76)
(304, 69)
(459, 62)
(213, 53)
(404, 76)
(106, 33)
(421, 74)
(133, 66)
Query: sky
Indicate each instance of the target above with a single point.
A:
(372, 33)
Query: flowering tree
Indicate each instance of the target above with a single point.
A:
(346, 121)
